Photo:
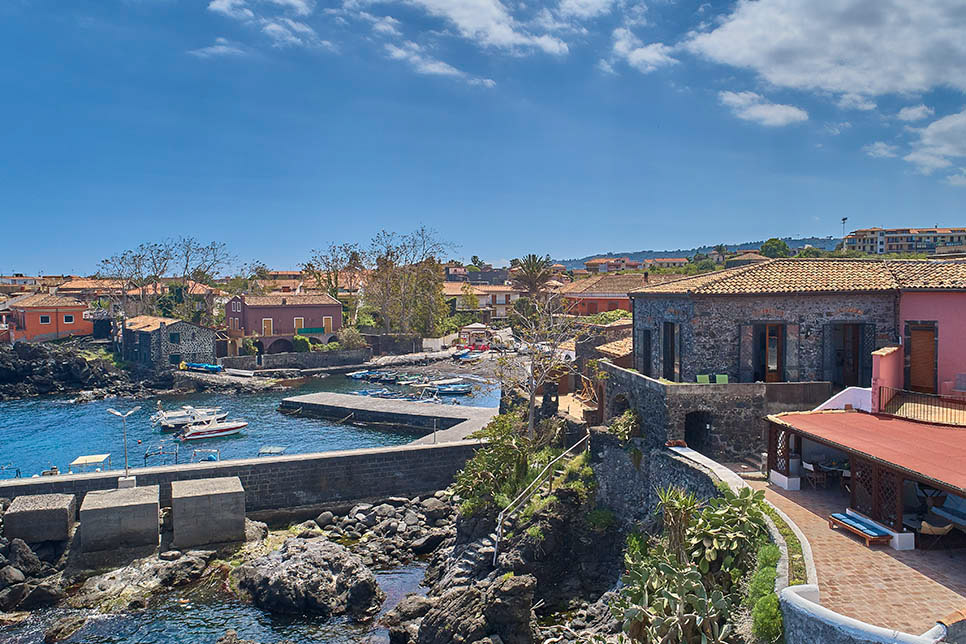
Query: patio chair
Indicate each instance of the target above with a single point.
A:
(704, 379)
(935, 533)
(721, 379)
(814, 475)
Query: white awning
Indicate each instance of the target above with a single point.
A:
(93, 459)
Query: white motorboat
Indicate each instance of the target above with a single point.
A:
(212, 429)
(187, 415)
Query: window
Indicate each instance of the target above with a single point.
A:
(174, 338)
(68, 319)
(45, 319)
(174, 358)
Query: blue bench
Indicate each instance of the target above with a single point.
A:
(866, 530)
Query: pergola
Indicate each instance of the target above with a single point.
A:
(883, 453)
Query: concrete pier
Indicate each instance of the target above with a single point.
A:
(126, 518)
(207, 511)
(452, 422)
(40, 517)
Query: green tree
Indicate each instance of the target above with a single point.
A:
(477, 262)
(470, 300)
(775, 247)
(534, 273)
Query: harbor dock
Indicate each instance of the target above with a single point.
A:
(450, 422)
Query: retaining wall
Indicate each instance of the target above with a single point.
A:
(306, 360)
(279, 482)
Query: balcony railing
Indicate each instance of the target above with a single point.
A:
(926, 408)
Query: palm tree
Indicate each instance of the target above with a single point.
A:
(533, 273)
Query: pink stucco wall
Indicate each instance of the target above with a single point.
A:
(887, 371)
(948, 309)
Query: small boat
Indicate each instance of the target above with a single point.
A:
(472, 355)
(242, 373)
(453, 390)
(212, 429)
(390, 395)
(460, 353)
(187, 415)
(370, 392)
(375, 375)
(388, 377)
(200, 366)
(358, 375)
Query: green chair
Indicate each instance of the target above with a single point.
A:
(720, 378)
(704, 379)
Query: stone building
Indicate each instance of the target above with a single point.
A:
(159, 343)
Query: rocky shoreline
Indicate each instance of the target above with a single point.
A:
(31, 370)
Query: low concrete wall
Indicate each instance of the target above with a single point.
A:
(306, 360)
(807, 622)
(279, 482)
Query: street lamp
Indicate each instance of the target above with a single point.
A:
(124, 424)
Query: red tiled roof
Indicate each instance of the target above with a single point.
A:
(455, 289)
(934, 452)
(43, 300)
(290, 299)
(148, 322)
(605, 283)
(194, 288)
(92, 284)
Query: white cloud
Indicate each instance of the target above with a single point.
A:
(958, 179)
(750, 106)
(856, 102)
(880, 150)
(939, 144)
(300, 7)
(286, 32)
(837, 128)
(585, 8)
(861, 47)
(231, 8)
(490, 24)
(386, 25)
(915, 113)
(222, 47)
(423, 63)
(605, 66)
(644, 58)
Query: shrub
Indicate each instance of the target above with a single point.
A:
(350, 338)
(535, 532)
(331, 346)
(766, 619)
(762, 583)
(499, 467)
(301, 344)
(600, 519)
(768, 556)
(627, 425)
(248, 347)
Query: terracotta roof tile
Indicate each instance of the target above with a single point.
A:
(820, 275)
(91, 284)
(605, 283)
(148, 322)
(617, 348)
(455, 289)
(43, 300)
(290, 299)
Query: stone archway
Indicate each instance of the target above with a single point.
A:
(281, 345)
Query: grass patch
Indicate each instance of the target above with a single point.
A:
(796, 558)
(535, 532)
(600, 519)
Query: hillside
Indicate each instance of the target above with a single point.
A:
(824, 243)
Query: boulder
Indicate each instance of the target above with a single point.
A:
(24, 559)
(10, 576)
(313, 576)
(64, 628)
(434, 509)
(384, 510)
(425, 545)
(182, 570)
(170, 555)
(402, 621)
(41, 596)
(468, 614)
(325, 519)
(12, 596)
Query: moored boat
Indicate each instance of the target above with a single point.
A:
(213, 429)
(187, 415)
(453, 390)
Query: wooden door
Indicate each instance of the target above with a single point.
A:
(327, 323)
(267, 326)
(299, 324)
(774, 352)
(922, 360)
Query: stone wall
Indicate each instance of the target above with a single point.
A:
(736, 412)
(279, 482)
(711, 330)
(629, 476)
(393, 344)
(305, 360)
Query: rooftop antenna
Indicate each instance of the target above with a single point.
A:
(844, 219)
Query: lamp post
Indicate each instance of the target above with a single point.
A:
(123, 418)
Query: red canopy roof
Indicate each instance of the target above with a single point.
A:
(933, 452)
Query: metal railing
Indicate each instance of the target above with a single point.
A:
(528, 492)
(926, 408)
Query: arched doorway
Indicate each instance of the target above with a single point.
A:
(619, 405)
(280, 345)
(698, 426)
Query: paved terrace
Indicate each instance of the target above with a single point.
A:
(452, 422)
(907, 591)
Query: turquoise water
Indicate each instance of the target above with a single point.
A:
(201, 616)
(37, 433)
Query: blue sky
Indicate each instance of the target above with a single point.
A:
(566, 127)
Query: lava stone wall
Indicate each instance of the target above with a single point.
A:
(710, 328)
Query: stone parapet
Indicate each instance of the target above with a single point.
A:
(40, 517)
(127, 518)
(205, 511)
